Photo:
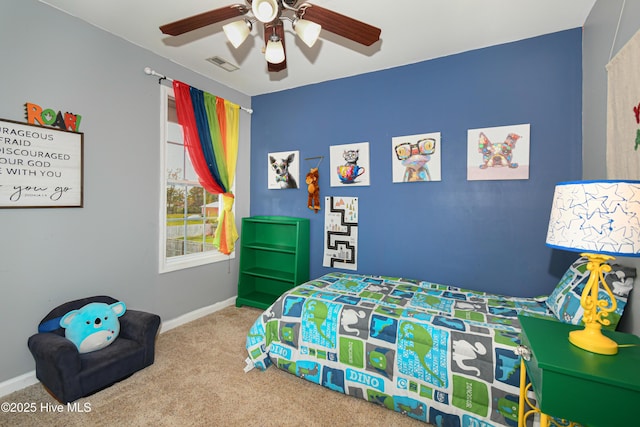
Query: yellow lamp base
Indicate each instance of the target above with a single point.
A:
(591, 339)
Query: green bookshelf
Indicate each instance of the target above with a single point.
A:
(274, 257)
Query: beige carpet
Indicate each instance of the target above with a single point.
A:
(198, 380)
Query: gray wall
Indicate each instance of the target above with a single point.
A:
(598, 39)
(49, 256)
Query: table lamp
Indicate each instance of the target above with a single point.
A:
(600, 219)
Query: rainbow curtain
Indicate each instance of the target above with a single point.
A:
(211, 126)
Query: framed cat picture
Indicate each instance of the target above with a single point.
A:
(350, 165)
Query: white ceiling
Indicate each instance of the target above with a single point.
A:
(412, 31)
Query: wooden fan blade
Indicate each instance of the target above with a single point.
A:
(203, 19)
(268, 30)
(339, 24)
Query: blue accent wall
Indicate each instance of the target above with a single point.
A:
(486, 235)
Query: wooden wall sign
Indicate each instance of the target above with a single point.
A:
(40, 167)
(48, 117)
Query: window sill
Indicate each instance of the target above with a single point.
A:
(193, 261)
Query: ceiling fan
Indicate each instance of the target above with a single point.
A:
(307, 20)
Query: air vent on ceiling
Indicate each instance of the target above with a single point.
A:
(223, 63)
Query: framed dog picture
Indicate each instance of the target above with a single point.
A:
(498, 153)
(283, 170)
(416, 158)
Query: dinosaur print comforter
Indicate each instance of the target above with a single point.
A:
(437, 353)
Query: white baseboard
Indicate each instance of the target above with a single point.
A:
(18, 383)
(29, 378)
(196, 314)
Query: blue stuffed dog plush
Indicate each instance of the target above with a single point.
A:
(94, 326)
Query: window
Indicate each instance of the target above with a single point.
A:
(188, 213)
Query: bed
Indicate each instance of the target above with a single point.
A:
(437, 353)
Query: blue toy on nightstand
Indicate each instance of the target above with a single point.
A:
(93, 326)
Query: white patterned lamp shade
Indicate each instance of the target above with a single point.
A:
(601, 217)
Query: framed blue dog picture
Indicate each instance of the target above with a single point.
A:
(416, 158)
(498, 153)
(283, 170)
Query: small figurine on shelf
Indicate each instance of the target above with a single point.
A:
(313, 189)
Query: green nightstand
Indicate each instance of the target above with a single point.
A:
(592, 389)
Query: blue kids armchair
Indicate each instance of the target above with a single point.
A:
(69, 374)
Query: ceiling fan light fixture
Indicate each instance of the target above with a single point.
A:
(307, 31)
(237, 31)
(265, 10)
(308, 21)
(274, 52)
